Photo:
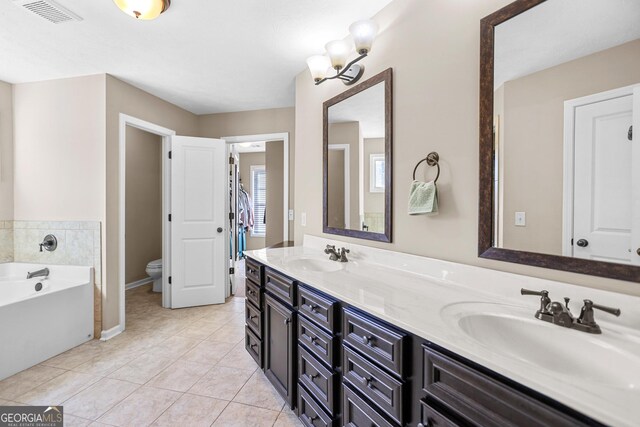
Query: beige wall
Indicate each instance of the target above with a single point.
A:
(124, 98)
(335, 192)
(533, 140)
(349, 134)
(143, 202)
(437, 93)
(246, 161)
(6, 151)
(274, 163)
(277, 120)
(59, 134)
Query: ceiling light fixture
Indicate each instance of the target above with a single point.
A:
(143, 9)
(363, 33)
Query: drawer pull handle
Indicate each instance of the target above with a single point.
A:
(252, 292)
(367, 340)
(313, 340)
(314, 376)
(254, 345)
(312, 419)
(313, 308)
(366, 381)
(287, 321)
(253, 317)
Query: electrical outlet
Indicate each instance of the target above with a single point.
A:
(303, 219)
(521, 219)
(290, 214)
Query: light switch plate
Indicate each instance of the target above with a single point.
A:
(290, 214)
(303, 219)
(521, 219)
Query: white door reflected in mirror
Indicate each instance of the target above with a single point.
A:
(564, 103)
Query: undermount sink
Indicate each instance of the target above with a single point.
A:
(514, 332)
(315, 265)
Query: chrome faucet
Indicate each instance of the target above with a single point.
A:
(560, 314)
(331, 249)
(337, 255)
(40, 273)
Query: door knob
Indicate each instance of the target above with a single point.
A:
(219, 229)
(583, 243)
(638, 251)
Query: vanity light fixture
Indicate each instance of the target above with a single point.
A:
(143, 9)
(363, 33)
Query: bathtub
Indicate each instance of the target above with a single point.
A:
(37, 325)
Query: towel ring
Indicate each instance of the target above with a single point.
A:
(432, 159)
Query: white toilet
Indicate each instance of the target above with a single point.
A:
(154, 270)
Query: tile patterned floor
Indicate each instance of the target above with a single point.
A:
(184, 367)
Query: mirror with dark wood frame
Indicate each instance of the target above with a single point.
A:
(357, 140)
(559, 164)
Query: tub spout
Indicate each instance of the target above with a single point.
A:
(40, 273)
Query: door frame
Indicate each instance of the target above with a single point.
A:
(347, 181)
(570, 107)
(166, 134)
(271, 137)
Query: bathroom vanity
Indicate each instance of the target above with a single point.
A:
(343, 349)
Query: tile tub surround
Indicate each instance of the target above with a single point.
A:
(412, 292)
(79, 243)
(6, 241)
(123, 381)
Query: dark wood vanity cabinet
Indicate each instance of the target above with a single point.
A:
(254, 290)
(318, 358)
(457, 393)
(280, 353)
(339, 366)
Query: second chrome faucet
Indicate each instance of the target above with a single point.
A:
(339, 255)
(560, 314)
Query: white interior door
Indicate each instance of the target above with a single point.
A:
(198, 224)
(603, 183)
(635, 179)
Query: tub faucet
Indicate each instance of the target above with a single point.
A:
(40, 273)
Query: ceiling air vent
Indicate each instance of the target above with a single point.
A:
(49, 10)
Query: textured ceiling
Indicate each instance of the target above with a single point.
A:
(203, 55)
(558, 31)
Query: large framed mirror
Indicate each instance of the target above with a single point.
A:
(559, 163)
(357, 141)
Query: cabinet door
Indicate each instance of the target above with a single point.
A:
(280, 348)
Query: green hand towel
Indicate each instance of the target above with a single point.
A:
(423, 198)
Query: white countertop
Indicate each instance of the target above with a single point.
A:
(416, 294)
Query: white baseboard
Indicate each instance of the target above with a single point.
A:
(107, 335)
(138, 283)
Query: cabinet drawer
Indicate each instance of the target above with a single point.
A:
(254, 294)
(356, 413)
(374, 339)
(281, 286)
(253, 271)
(384, 391)
(310, 413)
(322, 383)
(253, 319)
(322, 310)
(253, 344)
(481, 400)
(318, 342)
(431, 417)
